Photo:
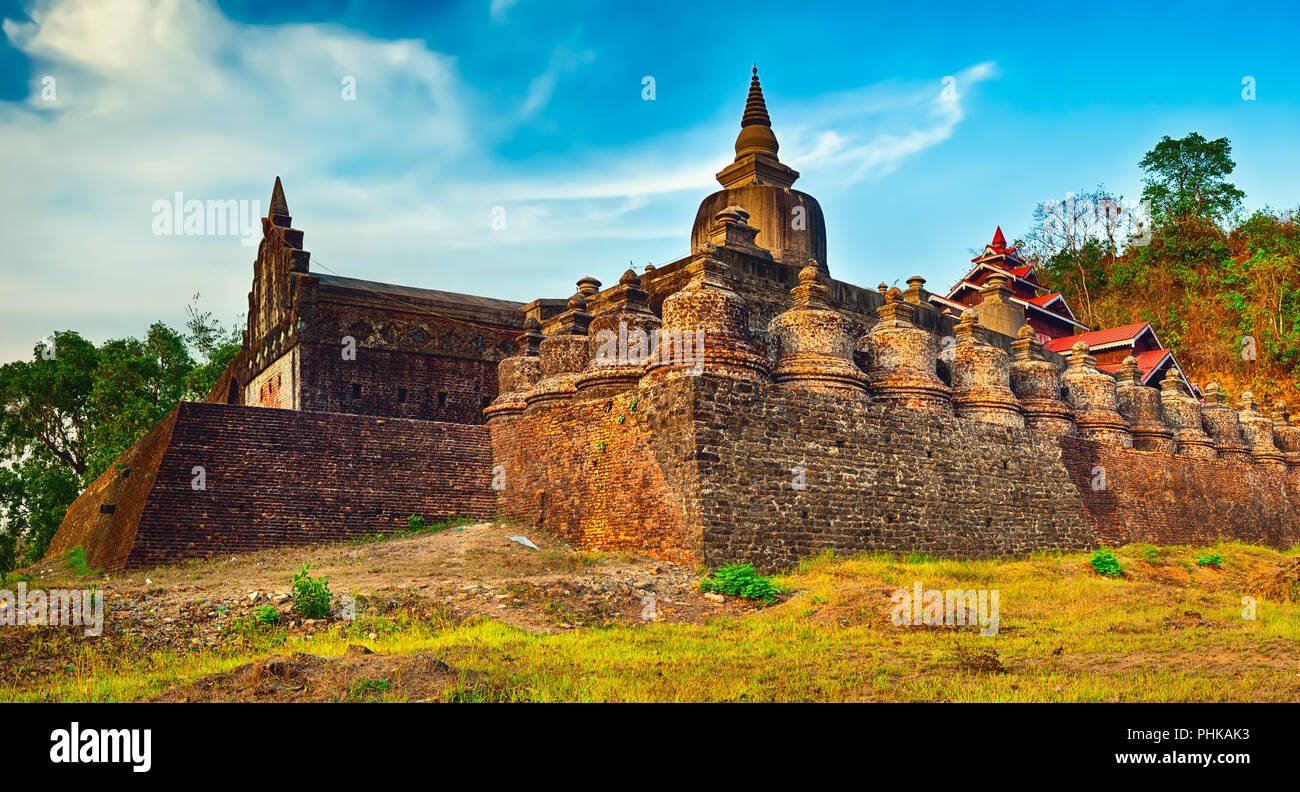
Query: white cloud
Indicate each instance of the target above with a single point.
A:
(162, 96)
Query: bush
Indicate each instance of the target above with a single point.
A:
(311, 595)
(266, 615)
(1106, 563)
(1210, 560)
(740, 580)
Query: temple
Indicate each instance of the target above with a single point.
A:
(737, 404)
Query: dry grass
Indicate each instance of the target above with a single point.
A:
(1168, 630)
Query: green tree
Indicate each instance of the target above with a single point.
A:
(1187, 179)
(70, 411)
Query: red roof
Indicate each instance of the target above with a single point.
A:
(1042, 302)
(1099, 337)
(998, 247)
(1148, 362)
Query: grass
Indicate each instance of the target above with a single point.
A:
(415, 526)
(1166, 631)
(74, 560)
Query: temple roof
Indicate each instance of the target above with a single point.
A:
(1098, 338)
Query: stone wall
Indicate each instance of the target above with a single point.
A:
(273, 478)
(1136, 496)
(610, 474)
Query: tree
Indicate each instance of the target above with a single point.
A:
(1187, 179)
(1076, 241)
(70, 411)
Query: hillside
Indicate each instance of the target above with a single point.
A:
(1226, 302)
(469, 615)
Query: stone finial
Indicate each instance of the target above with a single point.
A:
(1128, 372)
(1036, 382)
(816, 348)
(1280, 414)
(1286, 436)
(710, 323)
(279, 206)
(810, 291)
(620, 342)
(997, 312)
(968, 330)
(527, 342)
(916, 293)
(516, 375)
(756, 147)
(731, 229)
(882, 287)
(1257, 431)
(1091, 394)
(588, 286)
(1183, 415)
(1079, 356)
(981, 385)
(1222, 424)
(577, 302)
(1142, 407)
(902, 359)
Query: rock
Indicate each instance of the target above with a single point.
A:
(523, 540)
(372, 636)
(709, 595)
(356, 650)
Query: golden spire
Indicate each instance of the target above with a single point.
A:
(755, 126)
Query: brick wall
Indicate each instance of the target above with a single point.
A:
(275, 477)
(874, 478)
(1167, 499)
(396, 384)
(608, 474)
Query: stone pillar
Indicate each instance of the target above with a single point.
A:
(1223, 425)
(981, 377)
(1257, 430)
(517, 375)
(1036, 382)
(1140, 406)
(1183, 414)
(1090, 393)
(816, 349)
(563, 358)
(1286, 436)
(619, 341)
(705, 329)
(903, 358)
(916, 293)
(996, 311)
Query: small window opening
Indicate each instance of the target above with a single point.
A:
(356, 391)
(442, 398)
(401, 395)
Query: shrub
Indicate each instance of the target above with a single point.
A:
(266, 615)
(311, 595)
(74, 560)
(1106, 563)
(740, 580)
(1210, 560)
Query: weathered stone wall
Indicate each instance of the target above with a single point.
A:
(875, 478)
(273, 478)
(612, 473)
(1136, 496)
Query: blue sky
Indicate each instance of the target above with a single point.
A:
(535, 108)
